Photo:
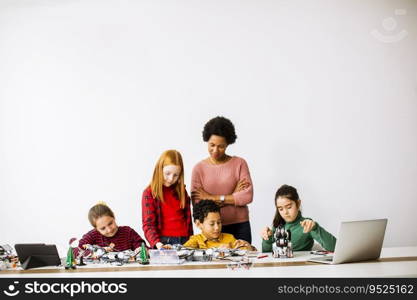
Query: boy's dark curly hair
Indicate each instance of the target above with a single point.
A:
(220, 126)
(203, 208)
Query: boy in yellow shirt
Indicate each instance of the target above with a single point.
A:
(206, 215)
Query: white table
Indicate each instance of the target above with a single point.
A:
(394, 262)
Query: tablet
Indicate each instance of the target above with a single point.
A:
(37, 255)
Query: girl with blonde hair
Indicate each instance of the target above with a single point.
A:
(107, 233)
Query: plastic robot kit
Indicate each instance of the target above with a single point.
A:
(207, 254)
(93, 254)
(8, 258)
(282, 247)
(171, 254)
(177, 254)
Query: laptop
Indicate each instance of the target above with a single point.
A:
(357, 241)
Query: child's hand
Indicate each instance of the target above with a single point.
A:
(241, 243)
(160, 246)
(307, 225)
(266, 233)
(110, 248)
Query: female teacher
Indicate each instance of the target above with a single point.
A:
(224, 179)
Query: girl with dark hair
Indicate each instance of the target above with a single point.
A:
(304, 231)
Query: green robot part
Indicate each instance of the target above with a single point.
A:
(70, 261)
(143, 255)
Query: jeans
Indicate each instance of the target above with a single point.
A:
(172, 240)
(241, 231)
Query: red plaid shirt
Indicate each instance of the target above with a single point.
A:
(151, 217)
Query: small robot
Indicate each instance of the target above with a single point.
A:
(282, 247)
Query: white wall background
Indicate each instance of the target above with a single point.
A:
(92, 91)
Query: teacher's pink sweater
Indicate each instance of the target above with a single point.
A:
(222, 180)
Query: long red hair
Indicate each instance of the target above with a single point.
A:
(169, 157)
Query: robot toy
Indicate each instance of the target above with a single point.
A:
(282, 247)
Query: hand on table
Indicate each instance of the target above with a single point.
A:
(241, 243)
(110, 248)
(160, 246)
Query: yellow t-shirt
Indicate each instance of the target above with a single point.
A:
(199, 241)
